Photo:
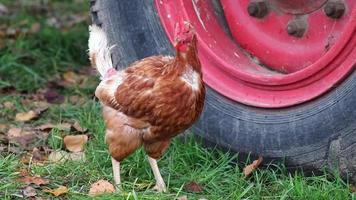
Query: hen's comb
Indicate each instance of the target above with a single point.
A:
(182, 28)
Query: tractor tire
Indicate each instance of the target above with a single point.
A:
(312, 135)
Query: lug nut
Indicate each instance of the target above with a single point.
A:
(296, 28)
(257, 9)
(334, 9)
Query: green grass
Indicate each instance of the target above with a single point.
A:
(30, 61)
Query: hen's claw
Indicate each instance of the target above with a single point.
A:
(160, 187)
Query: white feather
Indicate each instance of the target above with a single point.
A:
(99, 52)
(191, 77)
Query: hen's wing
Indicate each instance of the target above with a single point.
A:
(135, 91)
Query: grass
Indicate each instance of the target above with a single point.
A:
(31, 60)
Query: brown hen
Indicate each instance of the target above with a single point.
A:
(149, 102)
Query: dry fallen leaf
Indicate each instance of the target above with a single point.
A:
(26, 116)
(58, 156)
(62, 156)
(52, 96)
(75, 143)
(26, 138)
(64, 126)
(193, 187)
(46, 127)
(252, 167)
(77, 156)
(40, 106)
(58, 191)
(38, 155)
(8, 104)
(71, 77)
(37, 180)
(182, 197)
(77, 127)
(100, 187)
(14, 132)
(29, 191)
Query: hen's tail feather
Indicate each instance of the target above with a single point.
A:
(99, 52)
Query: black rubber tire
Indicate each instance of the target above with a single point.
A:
(315, 134)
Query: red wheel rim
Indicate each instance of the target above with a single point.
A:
(293, 76)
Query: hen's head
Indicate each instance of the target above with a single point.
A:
(184, 36)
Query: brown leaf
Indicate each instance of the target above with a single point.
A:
(26, 138)
(193, 187)
(58, 156)
(8, 104)
(26, 116)
(70, 77)
(37, 180)
(184, 197)
(62, 156)
(46, 127)
(100, 187)
(77, 156)
(52, 96)
(252, 167)
(64, 126)
(29, 191)
(77, 127)
(40, 106)
(75, 143)
(58, 191)
(14, 132)
(38, 156)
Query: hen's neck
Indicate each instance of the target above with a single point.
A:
(186, 59)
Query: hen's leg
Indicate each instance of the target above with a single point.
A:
(116, 171)
(160, 185)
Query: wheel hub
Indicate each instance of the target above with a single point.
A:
(275, 59)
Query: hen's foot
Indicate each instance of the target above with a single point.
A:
(160, 187)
